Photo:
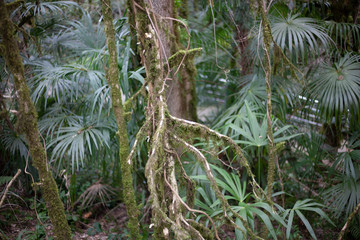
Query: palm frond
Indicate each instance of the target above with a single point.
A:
(42, 8)
(299, 37)
(96, 192)
(57, 116)
(337, 88)
(74, 142)
(344, 196)
(13, 142)
(345, 35)
(299, 207)
(50, 81)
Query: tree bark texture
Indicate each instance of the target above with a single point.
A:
(181, 92)
(166, 135)
(266, 29)
(27, 123)
(117, 106)
(348, 222)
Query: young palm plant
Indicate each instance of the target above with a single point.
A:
(235, 192)
(298, 209)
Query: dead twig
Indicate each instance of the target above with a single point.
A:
(8, 186)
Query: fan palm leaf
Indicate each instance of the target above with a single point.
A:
(75, 141)
(57, 117)
(295, 35)
(337, 88)
(299, 35)
(345, 35)
(344, 196)
(13, 142)
(41, 8)
(50, 82)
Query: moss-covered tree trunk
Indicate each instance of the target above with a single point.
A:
(181, 94)
(27, 123)
(166, 135)
(117, 105)
(267, 35)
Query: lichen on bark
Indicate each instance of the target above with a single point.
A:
(27, 123)
(117, 106)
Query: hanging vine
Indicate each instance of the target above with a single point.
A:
(167, 135)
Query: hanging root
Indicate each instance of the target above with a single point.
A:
(204, 131)
(160, 172)
(169, 136)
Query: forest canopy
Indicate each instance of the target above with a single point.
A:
(179, 119)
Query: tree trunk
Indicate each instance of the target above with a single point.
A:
(126, 166)
(187, 71)
(181, 93)
(27, 123)
(266, 29)
(166, 134)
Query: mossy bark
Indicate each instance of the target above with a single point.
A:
(267, 35)
(167, 134)
(27, 123)
(167, 217)
(180, 94)
(348, 222)
(126, 166)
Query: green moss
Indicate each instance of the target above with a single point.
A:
(27, 123)
(176, 58)
(126, 168)
(205, 232)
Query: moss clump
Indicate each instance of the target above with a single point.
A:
(176, 58)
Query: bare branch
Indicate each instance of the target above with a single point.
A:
(8, 186)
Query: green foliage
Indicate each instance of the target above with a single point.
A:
(337, 88)
(299, 36)
(255, 132)
(4, 179)
(235, 192)
(95, 229)
(344, 195)
(309, 155)
(13, 143)
(39, 233)
(298, 209)
(42, 8)
(78, 139)
(345, 35)
(355, 227)
(66, 62)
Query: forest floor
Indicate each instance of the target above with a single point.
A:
(104, 225)
(101, 224)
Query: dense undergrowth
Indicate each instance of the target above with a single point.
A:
(315, 82)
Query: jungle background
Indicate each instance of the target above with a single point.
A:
(180, 119)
